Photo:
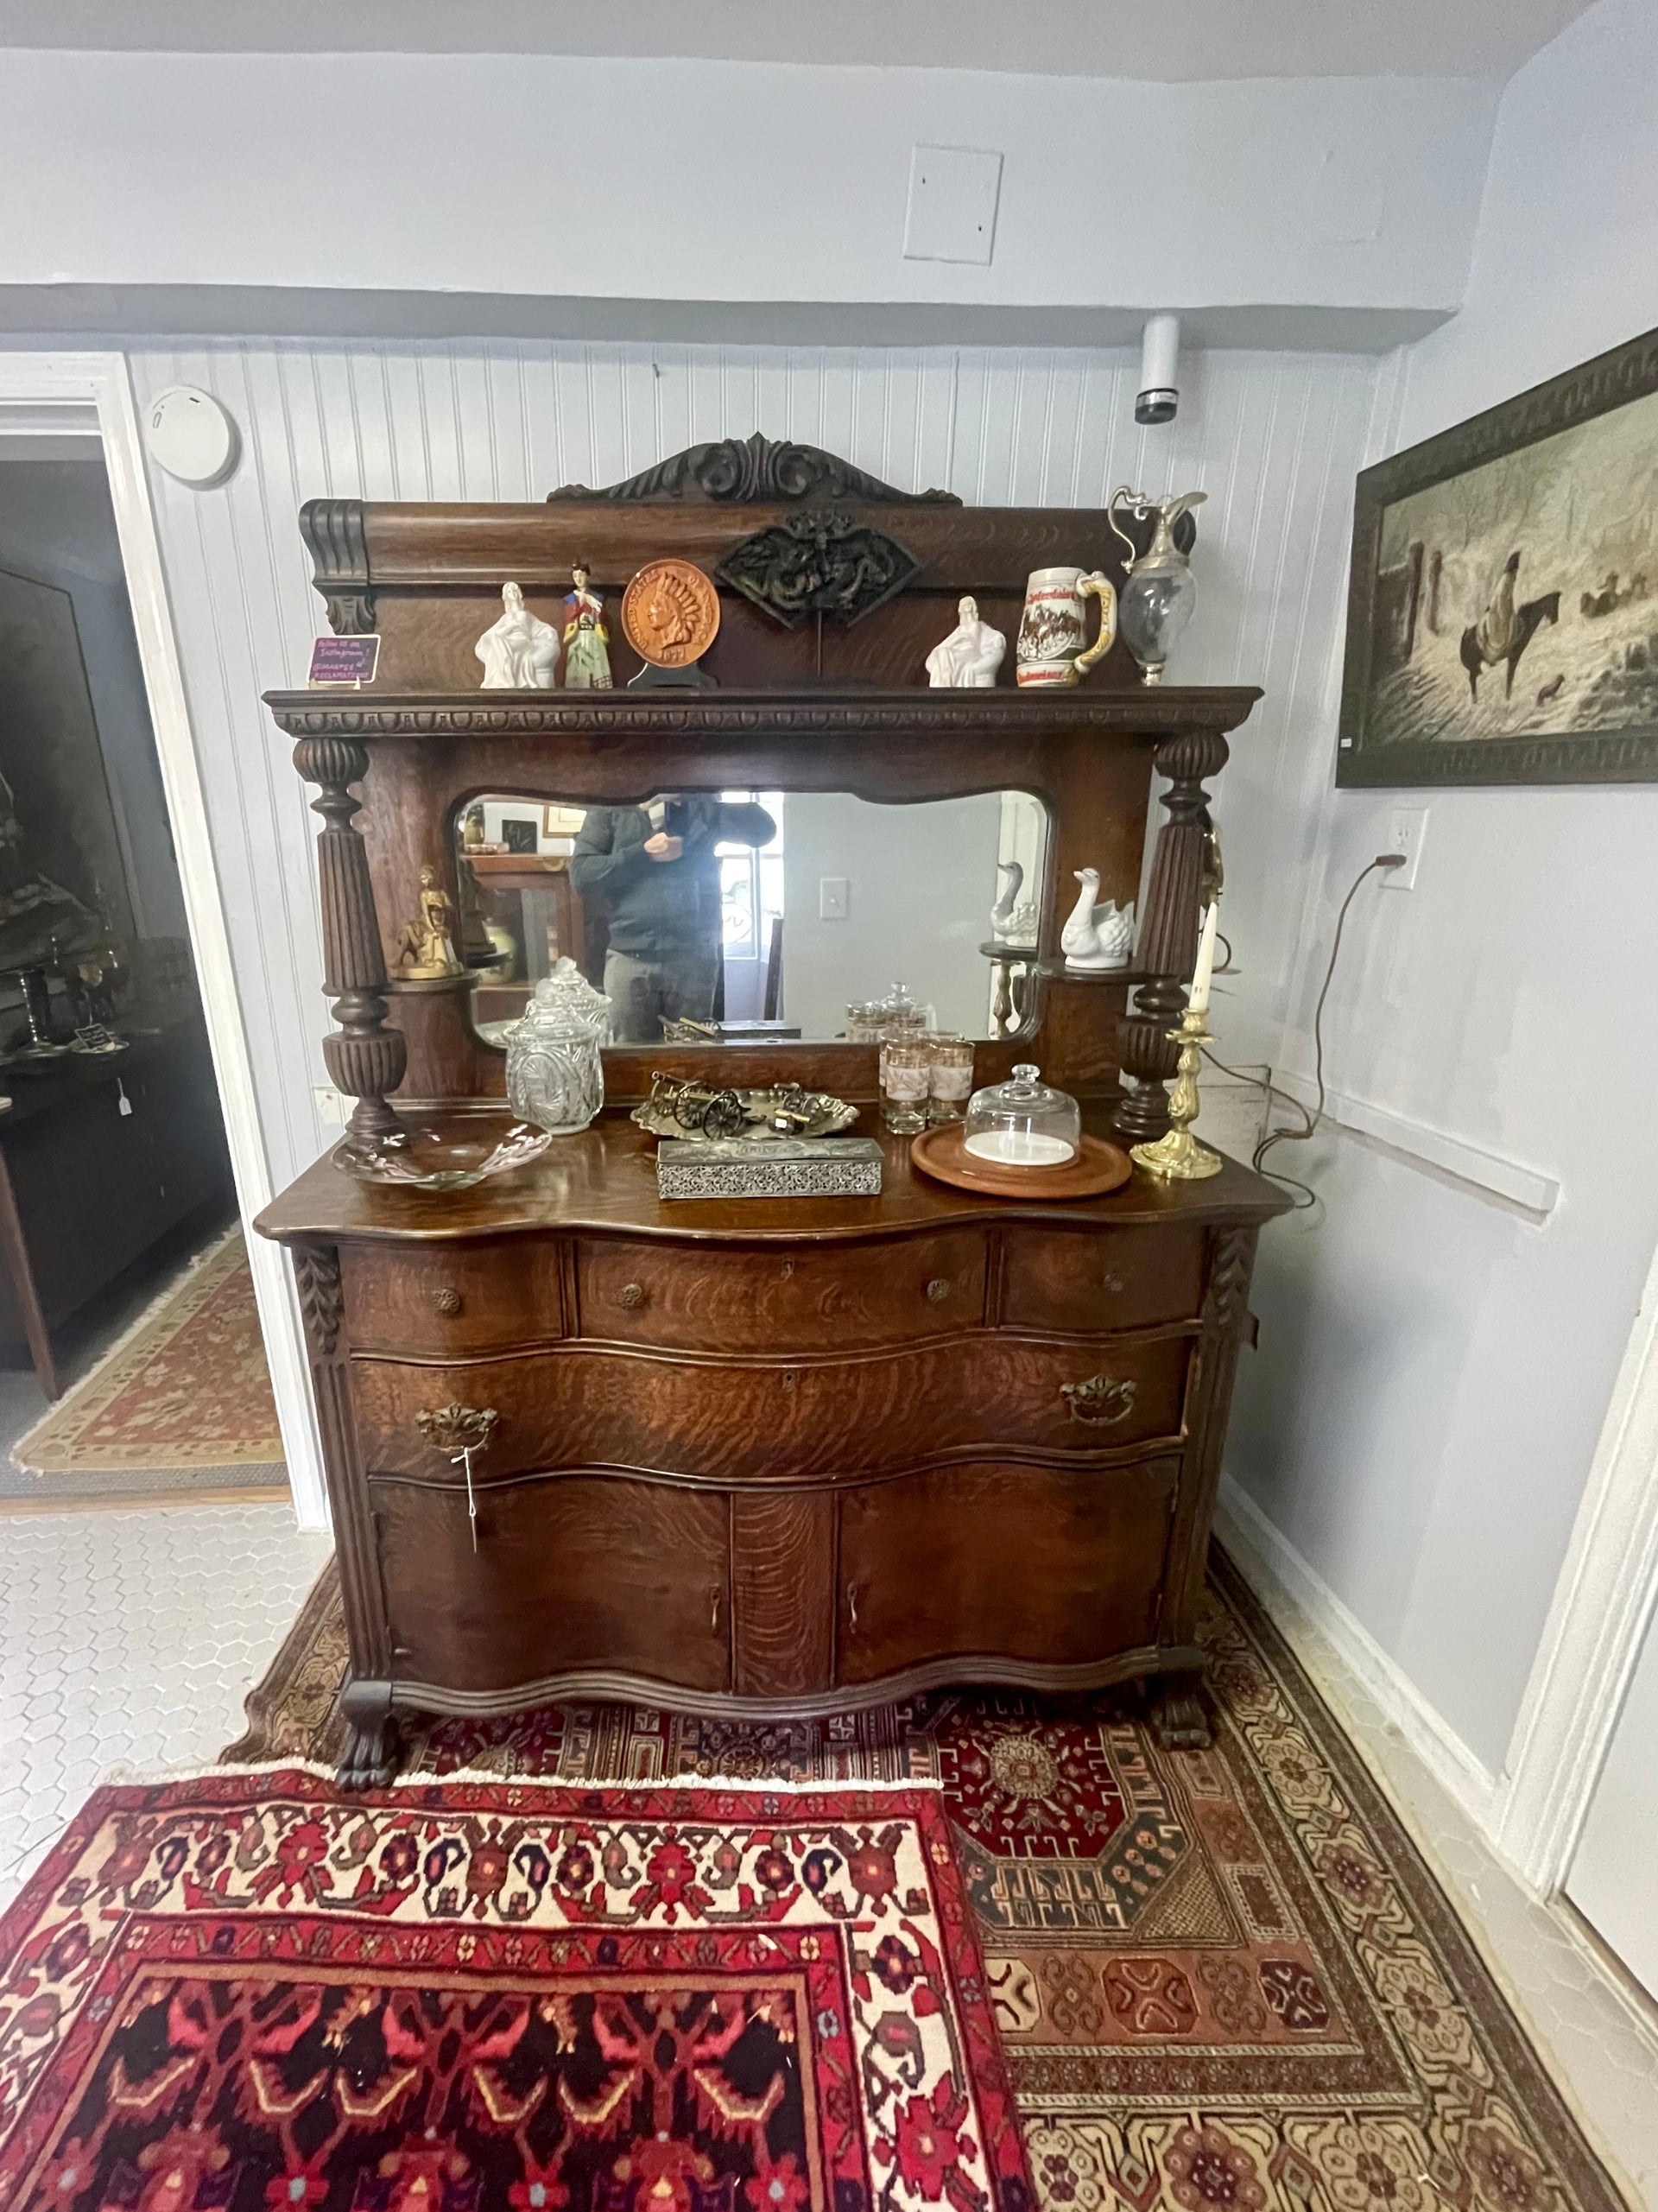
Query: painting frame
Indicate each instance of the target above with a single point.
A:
(1365, 759)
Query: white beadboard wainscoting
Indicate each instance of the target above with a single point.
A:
(1275, 439)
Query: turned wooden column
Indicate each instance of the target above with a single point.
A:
(1168, 932)
(365, 1059)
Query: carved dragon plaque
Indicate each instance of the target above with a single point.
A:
(819, 562)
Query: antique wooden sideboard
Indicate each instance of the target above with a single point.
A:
(756, 1456)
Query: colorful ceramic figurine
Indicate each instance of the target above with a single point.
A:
(586, 637)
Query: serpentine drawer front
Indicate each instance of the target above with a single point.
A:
(1062, 1278)
(448, 1300)
(728, 1421)
(792, 1299)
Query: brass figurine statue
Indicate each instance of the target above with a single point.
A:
(427, 949)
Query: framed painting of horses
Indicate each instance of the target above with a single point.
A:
(1502, 612)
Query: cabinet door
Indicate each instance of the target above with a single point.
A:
(585, 1572)
(1056, 1567)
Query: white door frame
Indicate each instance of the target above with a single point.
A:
(1604, 1598)
(52, 395)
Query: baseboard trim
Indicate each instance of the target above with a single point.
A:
(1298, 1597)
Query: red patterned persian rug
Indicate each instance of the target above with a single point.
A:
(246, 1993)
(186, 1387)
(1224, 1979)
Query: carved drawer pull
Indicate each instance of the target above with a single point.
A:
(1101, 1400)
(446, 1302)
(852, 1603)
(630, 1294)
(939, 1289)
(460, 1430)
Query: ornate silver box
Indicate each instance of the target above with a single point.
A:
(769, 1167)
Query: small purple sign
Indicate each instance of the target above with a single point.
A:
(344, 659)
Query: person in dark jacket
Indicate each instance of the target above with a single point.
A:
(656, 868)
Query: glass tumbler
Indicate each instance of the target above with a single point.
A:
(905, 1079)
(950, 1077)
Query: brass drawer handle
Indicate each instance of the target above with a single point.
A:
(460, 1430)
(939, 1289)
(1101, 1400)
(630, 1294)
(851, 1604)
(446, 1302)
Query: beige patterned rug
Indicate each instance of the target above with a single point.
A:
(1225, 1981)
(185, 1395)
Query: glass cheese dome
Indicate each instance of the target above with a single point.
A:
(1022, 1123)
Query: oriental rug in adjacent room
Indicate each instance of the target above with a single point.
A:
(183, 1399)
(245, 1992)
(1222, 1979)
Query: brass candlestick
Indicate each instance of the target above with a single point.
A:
(1178, 1156)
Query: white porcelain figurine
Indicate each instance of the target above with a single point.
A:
(1007, 906)
(519, 652)
(1096, 936)
(968, 658)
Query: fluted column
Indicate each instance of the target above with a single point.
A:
(1168, 932)
(365, 1059)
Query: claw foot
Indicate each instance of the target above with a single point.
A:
(1181, 1718)
(372, 1747)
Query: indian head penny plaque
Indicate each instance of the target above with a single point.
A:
(670, 612)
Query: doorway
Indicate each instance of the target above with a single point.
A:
(79, 406)
(114, 1174)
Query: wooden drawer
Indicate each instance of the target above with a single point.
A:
(575, 1571)
(703, 1298)
(452, 1298)
(1092, 1281)
(581, 1406)
(1049, 1565)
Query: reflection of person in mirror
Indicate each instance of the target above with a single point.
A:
(656, 868)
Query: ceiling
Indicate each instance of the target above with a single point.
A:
(1193, 40)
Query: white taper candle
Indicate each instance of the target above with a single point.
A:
(1197, 998)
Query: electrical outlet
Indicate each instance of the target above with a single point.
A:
(1407, 828)
(832, 895)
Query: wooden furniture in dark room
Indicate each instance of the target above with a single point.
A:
(759, 1456)
(88, 1189)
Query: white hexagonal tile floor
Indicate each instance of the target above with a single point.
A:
(130, 1638)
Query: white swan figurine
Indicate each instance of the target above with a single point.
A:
(1003, 912)
(1097, 937)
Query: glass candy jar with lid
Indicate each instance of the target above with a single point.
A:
(1022, 1123)
(556, 1077)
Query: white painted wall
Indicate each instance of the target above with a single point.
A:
(726, 182)
(1435, 1365)
(1275, 437)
